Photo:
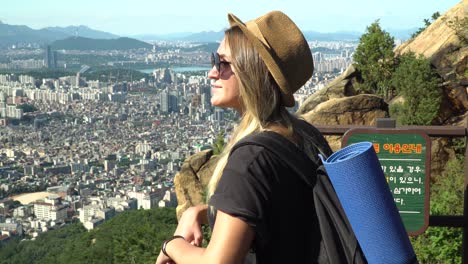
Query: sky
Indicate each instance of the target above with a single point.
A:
(135, 17)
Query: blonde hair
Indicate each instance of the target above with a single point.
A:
(259, 95)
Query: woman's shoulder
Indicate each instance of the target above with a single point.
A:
(249, 149)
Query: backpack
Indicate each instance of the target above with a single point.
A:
(339, 244)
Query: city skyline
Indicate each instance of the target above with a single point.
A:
(156, 17)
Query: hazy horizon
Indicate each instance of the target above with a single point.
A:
(143, 17)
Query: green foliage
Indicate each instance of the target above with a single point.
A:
(374, 59)
(218, 145)
(207, 47)
(427, 22)
(115, 75)
(27, 108)
(131, 237)
(47, 244)
(206, 235)
(417, 82)
(443, 244)
(460, 26)
(40, 74)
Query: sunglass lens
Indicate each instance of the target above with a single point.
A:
(212, 60)
(215, 60)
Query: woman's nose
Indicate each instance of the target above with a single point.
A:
(213, 73)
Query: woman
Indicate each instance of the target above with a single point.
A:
(259, 210)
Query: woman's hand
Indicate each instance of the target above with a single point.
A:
(163, 259)
(190, 224)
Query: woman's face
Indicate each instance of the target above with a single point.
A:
(225, 86)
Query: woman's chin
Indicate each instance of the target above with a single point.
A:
(216, 103)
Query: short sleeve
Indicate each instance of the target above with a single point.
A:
(245, 187)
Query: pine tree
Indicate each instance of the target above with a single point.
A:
(417, 82)
(374, 59)
(218, 145)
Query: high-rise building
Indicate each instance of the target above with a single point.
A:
(174, 101)
(50, 209)
(219, 115)
(48, 57)
(54, 59)
(109, 165)
(164, 101)
(167, 76)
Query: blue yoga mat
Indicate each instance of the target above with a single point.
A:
(360, 184)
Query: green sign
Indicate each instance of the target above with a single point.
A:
(405, 159)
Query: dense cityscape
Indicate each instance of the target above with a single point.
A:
(79, 149)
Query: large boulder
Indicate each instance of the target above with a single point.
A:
(191, 181)
(361, 109)
(342, 86)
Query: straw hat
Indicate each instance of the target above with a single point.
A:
(282, 47)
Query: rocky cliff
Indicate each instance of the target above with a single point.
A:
(447, 49)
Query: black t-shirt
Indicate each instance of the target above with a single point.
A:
(259, 188)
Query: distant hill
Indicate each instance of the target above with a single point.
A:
(208, 47)
(13, 34)
(335, 36)
(205, 36)
(216, 36)
(82, 31)
(130, 237)
(403, 34)
(171, 36)
(80, 43)
(16, 34)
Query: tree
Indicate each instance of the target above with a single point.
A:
(27, 108)
(131, 237)
(218, 145)
(417, 82)
(444, 244)
(460, 26)
(374, 59)
(427, 22)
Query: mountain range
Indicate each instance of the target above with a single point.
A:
(81, 43)
(213, 36)
(82, 31)
(16, 34)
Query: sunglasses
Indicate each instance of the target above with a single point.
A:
(220, 65)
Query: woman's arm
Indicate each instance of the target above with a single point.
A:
(230, 241)
(190, 224)
(201, 212)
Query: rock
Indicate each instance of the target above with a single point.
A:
(190, 182)
(340, 87)
(361, 109)
(441, 152)
(197, 161)
(356, 110)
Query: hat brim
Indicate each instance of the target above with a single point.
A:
(287, 99)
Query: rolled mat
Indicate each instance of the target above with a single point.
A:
(360, 184)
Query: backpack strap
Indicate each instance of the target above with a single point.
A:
(296, 159)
